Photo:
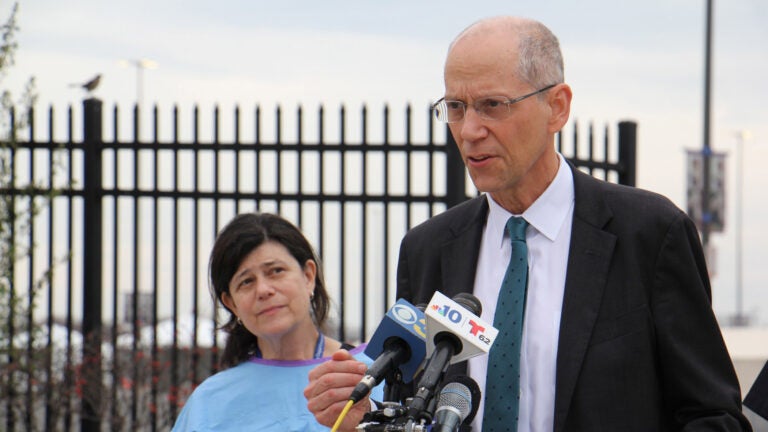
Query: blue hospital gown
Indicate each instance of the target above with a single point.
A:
(257, 395)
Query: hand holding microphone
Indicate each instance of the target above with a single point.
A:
(329, 384)
(397, 347)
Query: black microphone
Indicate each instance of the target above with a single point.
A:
(470, 302)
(458, 403)
(397, 345)
(454, 333)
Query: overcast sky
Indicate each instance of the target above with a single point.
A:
(641, 61)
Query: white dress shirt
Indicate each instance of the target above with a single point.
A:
(548, 237)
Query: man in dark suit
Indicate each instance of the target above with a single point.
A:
(618, 331)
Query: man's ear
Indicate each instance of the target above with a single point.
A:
(560, 106)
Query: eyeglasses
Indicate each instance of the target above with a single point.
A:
(489, 108)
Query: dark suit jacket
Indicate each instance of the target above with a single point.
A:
(639, 347)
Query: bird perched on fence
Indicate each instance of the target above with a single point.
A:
(89, 85)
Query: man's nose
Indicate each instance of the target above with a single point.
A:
(472, 126)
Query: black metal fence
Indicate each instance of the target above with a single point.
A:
(112, 324)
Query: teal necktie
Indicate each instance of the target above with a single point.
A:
(502, 384)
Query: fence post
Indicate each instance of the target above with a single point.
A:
(455, 177)
(92, 193)
(628, 152)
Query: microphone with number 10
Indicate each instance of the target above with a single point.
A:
(455, 333)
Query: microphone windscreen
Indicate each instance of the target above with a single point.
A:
(455, 395)
(470, 303)
(474, 391)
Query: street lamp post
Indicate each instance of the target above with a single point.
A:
(740, 318)
(140, 65)
(706, 148)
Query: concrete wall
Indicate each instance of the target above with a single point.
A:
(749, 350)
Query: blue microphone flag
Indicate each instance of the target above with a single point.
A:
(408, 323)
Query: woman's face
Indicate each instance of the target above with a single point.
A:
(270, 292)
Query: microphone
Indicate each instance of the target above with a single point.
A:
(458, 402)
(454, 333)
(396, 345)
(458, 319)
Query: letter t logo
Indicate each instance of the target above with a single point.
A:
(475, 328)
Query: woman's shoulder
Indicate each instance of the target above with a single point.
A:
(226, 378)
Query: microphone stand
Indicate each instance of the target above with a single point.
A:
(409, 426)
(393, 384)
(418, 406)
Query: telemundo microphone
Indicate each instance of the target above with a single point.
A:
(398, 343)
(457, 403)
(455, 333)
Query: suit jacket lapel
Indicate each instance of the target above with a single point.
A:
(589, 257)
(458, 258)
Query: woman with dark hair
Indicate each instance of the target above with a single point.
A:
(264, 272)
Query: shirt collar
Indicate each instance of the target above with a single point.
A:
(546, 215)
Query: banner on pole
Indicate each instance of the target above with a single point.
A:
(714, 215)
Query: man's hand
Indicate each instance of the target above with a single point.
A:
(330, 385)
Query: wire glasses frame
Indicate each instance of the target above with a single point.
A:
(489, 108)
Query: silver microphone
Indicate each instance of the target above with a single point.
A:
(453, 406)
